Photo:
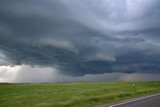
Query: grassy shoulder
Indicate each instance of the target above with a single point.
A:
(72, 94)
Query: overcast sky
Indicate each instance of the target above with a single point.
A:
(78, 39)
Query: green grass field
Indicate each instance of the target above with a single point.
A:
(72, 94)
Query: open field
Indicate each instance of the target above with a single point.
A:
(72, 94)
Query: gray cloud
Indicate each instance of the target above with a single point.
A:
(82, 37)
(38, 74)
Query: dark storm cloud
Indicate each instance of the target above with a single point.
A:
(82, 37)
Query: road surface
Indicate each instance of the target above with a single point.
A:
(148, 101)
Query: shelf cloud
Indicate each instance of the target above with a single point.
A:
(81, 37)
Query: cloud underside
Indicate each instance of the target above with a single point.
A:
(81, 37)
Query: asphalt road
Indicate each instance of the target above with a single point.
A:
(149, 101)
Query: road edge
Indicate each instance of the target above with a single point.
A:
(129, 100)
